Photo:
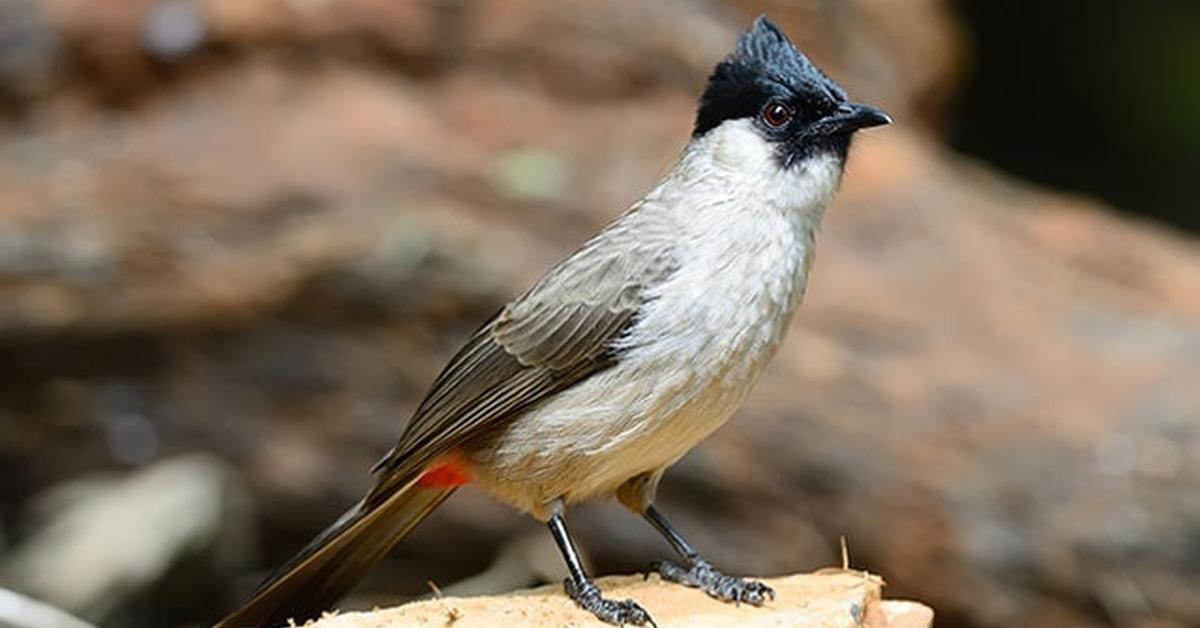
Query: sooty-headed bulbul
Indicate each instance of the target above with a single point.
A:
(625, 355)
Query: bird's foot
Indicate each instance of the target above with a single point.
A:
(703, 576)
(619, 612)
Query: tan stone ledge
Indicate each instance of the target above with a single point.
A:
(832, 598)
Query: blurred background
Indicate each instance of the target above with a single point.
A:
(238, 238)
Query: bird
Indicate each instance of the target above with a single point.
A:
(626, 354)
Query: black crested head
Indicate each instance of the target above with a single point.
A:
(764, 65)
(791, 101)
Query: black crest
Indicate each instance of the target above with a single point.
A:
(764, 66)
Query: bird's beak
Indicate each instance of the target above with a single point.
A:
(851, 117)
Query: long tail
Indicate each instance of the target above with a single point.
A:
(329, 566)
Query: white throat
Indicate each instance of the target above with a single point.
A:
(733, 163)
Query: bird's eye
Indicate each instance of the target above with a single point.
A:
(776, 114)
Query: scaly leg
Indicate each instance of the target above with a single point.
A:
(585, 592)
(698, 572)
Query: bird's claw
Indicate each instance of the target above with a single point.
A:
(703, 576)
(619, 612)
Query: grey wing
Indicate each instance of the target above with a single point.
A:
(557, 334)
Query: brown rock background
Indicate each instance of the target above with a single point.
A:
(257, 229)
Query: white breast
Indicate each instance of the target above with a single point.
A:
(744, 248)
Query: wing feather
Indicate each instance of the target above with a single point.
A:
(558, 333)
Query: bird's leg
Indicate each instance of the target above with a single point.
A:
(698, 572)
(585, 592)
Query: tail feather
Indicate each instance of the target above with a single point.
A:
(329, 566)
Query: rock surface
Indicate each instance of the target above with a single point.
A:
(103, 542)
(835, 599)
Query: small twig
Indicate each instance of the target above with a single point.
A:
(453, 613)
